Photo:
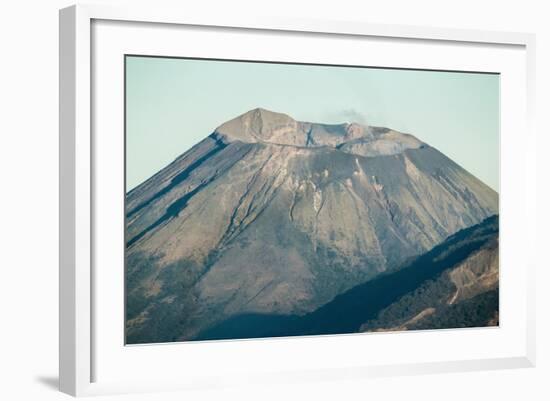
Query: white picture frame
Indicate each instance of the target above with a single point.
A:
(78, 370)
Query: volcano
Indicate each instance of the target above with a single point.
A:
(269, 215)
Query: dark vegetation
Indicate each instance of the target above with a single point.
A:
(473, 312)
(430, 294)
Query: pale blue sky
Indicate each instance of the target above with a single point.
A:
(171, 104)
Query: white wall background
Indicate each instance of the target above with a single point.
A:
(29, 185)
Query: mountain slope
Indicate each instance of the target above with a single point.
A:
(272, 215)
(453, 285)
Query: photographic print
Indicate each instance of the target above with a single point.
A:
(270, 199)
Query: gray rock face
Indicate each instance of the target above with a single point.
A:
(272, 215)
